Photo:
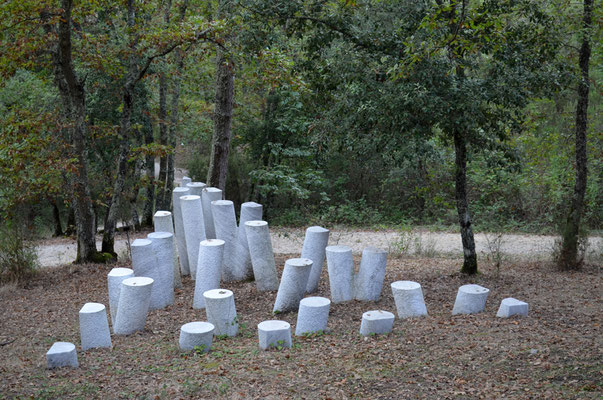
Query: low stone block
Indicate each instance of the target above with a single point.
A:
(408, 297)
(221, 312)
(274, 333)
(134, 300)
(511, 306)
(196, 334)
(94, 326)
(62, 354)
(470, 299)
(313, 315)
(376, 322)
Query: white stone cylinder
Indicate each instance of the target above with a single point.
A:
(293, 284)
(220, 310)
(114, 280)
(250, 211)
(163, 222)
(315, 243)
(194, 229)
(94, 326)
(196, 335)
(196, 188)
(262, 255)
(510, 306)
(340, 264)
(185, 181)
(163, 246)
(210, 194)
(408, 297)
(470, 299)
(313, 315)
(179, 229)
(376, 322)
(144, 263)
(274, 333)
(209, 269)
(369, 280)
(61, 354)
(134, 300)
(225, 222)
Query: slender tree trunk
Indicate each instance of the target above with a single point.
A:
(163, 201)
(462, 206)
(70, 228)
(568, 258)
(149, 163)
(58, 228)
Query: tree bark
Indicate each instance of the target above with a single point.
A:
(58, 228)
(568, 258)
(462, 206)
(163, 198)
(149, 163)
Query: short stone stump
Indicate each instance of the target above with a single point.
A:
(62, 354)
(408, 297)
(221, 312)
(134, 300)
(470, 299)
(274, 333)
(313, 315)
(293, 284)
(510, 306)
(94, 326)
(114, 279)
(197, 335)
(376, 322)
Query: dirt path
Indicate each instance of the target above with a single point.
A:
(289, 241)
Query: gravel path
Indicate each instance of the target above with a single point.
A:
(289, 241)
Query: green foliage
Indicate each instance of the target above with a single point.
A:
(18, 258)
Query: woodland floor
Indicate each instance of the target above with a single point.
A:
(555, 353)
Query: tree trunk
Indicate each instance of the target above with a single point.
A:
(149, 163)
(58, 228)
(568, 258)
(70, 228)
(163, 192)
(218, 163)
(469, 254)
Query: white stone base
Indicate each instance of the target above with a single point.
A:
(133, 307)
(62, 354)
(221, 312)
(94, 326)
(196, 334)
(511, 306)
(313, 315)
(376, 322)
(274, 333)
(470, 299)
(408, 297)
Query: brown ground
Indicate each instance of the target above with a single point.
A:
(555, 353)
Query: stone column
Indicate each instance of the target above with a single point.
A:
(196, 188)
(293, 284)
(114, 280)
(250, 211)
(162, 220)
(210, 194)
(226, 229)
(470, 299)
(408, 297)
(376, 322)
(196, 335)
(340, 264)
(194, 229)
(61, 354)
(209, 269)
(369, 280)
(179, 229)
(262, 255)
(274, 333)
(163, 246)
(133, 308)
(185, 181)
(313, 315)
(220, 310)
(314, 247)
(94, 327)
(144, 263)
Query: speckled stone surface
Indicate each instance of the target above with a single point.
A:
(94, 326)
(470, 299)
(369, 280)
(185, 181)
(221, 312)
(144, 263)
(262, 256)
(250, 211)
(163, 222)
(114, 279)
(315, 244)
(196, 188)
(194, 229)
(408, 297)
(293, 284)
(225, 223)
(196, 334)
(274, 333)
(133, 307)
(179, 229)
(510, 306)
(340, 263)
(61, 354)
(209, 269)
(313, 315)
(376, 322)
(163, 246)
(209, 194)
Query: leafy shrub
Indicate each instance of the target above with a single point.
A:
(18, 259)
